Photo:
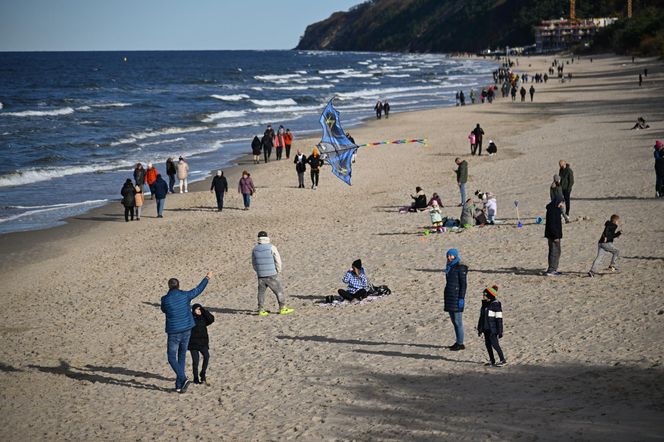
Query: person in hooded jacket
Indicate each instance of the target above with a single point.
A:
(199, 342)
(246, 187)
(268, 142)
(219, 186)
(315, 163)
(160, 192)
(490, 325)
(256, 148)
(288, 139)
(150, 178)
(128, 199)
(300, 167)
(266, 262)
(454, 295)
(139, 199)
(183, 175)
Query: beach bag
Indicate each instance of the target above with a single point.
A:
(481, 218)
(379, 290)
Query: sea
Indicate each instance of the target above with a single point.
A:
(74, 124)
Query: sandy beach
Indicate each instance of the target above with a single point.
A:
(84, 343)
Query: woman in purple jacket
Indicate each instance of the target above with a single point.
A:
(246, 188)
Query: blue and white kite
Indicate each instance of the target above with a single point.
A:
(334, 146)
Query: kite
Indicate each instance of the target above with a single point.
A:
(335, 147)
(338, 150)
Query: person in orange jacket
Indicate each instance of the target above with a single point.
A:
(150, 178)
(288, 139)
(280, 141)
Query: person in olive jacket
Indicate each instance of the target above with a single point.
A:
(199, 342)
(128, 199)
(566, 182)
(462, 178)
(455, 294)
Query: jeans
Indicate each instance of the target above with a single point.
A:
(183, 185)
(129, 211)
(567, 195)
(554, 255)
(288, 147)
(300, 180)
(314, 178)
(171, 183)
(491, 342)
(462, 190)
(195, 357)
(160, 206)
(603, 249)
(267, 153)
(275, 286)
(177, 354)
(220, 199)
(457, 322)
(246, 197)
(279, 152)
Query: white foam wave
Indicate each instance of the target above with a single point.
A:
(237, 124)
(284, 102)
(157, 133)
(377, 93)
(223, 114)
(41, 209)
(36, 175)
(35, 113)
(279, 79)
(237, 97)
(1, 106)
(154, 143)
(398, 75)
(335, 71)
(356, 75)
(285, 109)
(295, 88)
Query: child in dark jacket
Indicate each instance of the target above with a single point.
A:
(491, 325)
(199, 341)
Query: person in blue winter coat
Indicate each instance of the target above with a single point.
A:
(455, 295)
(160, 192)
(490, 325)
(179, 322)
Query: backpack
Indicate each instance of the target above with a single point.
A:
(379, 290)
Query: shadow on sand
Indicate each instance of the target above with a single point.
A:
(325, 339)
(220, 310)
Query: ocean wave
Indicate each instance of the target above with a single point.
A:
(237, 124)
(295, 88)
(154, 143)
(223, 114)
(36, 175)
(284, 102)
(335, 71)
(36, 113)
(398, 75)
(1, 106)
(285, 109)
(356, 75)
(377, 93)
(157, 133)
(279, 79)
(31, 210)
(237, 97)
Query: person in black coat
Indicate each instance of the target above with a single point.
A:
(479, 133)
(219, 186)
(128, 199)
(491, 325)
(256, 147)
(171, 171)
(455, 295)
(199, 342)
(267, 142)
(160, 192)
(300, 167)
(386, 109)
(553, 232)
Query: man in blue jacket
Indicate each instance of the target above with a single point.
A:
(160, 192)
(179, 322)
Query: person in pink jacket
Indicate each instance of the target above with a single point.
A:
(471, 138)
(280, 142)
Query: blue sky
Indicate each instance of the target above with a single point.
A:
(74, 25)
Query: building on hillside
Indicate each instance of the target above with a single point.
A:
(556, 35)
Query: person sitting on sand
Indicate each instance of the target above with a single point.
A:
(437, 199)
(199, 342)
(492, 149)
(420, 202)
(436, 215)
(490, 325)
(358, 285)
(641, 124)
(179, 322)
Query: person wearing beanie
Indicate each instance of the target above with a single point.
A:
(358, 284)
(490, 325)
(246, 188)
(266, 262)
(454, 295)
(199, 342)
(659, 169)
(605, 245)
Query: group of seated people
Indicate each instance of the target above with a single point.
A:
(471, 214)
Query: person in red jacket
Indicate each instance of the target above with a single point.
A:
(280, 141)
(150, 178)
(288, 139)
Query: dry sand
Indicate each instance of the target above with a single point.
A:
(83, 354)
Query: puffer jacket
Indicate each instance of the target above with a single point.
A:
(491, 318)
(128, 192)
(139, 176)
(265, 258)
(151, 176)
(183, 170)
(199, 339)
(455, 288)
(175, 305)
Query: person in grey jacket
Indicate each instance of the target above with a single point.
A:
(266, 261)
